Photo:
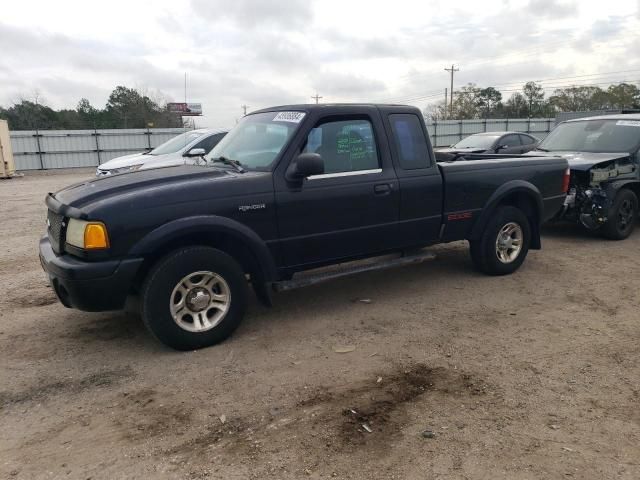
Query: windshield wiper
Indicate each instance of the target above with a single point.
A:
(227, 161)
(542, 149)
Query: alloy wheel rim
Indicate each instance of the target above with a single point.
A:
(200, 301)
(625, 214)
(509, 242)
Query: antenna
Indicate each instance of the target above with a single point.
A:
(244, 109)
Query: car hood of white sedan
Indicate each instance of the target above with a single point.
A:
(172, 161)
(125, 161)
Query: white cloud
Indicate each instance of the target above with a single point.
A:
(282, 51)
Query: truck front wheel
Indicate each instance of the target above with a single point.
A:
(504, 244)
(194, 297)
(622, 216)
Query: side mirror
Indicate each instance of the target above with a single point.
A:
(195, 152)
(306, 165)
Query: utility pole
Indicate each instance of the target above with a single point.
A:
(451, 70)
(445, 103)
(317, 97)
(244, 109)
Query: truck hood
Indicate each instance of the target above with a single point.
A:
(142, 181)
(582, 161)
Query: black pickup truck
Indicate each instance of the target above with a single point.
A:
(288, 190)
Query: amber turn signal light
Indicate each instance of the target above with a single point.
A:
(95, 236)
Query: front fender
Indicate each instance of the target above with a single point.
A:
(611, 189)
(207, 224)
(512, 188)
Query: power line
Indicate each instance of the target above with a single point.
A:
(414, 100)
(542, 80)
(434, 93)
(520, 53)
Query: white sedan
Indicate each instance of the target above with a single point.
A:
(187, 147)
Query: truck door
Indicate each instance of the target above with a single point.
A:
(421, 191)
(351, 209)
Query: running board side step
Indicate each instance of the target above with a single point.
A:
(331, 273)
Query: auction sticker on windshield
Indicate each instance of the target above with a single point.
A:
(629, 123)
(293, 117)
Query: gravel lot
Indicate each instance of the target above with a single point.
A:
(535, 375)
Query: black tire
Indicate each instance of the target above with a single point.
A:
(166, 275)
(484, 251)
(622, 216)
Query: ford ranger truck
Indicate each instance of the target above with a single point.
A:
(288, 193)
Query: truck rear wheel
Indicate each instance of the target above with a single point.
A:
(622, 216)
(194, 297)
(504, 243)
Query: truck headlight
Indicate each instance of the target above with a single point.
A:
(87, 235)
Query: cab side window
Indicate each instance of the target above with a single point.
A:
(345, 145)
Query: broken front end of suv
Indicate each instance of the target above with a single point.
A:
(602, 197)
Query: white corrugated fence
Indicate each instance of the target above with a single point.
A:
(49, 149)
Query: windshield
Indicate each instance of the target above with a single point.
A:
(477, 141)
(176, 143)
(598, 136)
(258, 139)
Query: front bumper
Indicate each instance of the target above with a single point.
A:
(88, 286)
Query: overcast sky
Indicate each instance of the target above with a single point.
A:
(267, 52)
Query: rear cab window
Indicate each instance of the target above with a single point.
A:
(410, 141)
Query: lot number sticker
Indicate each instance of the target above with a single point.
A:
(293, 117)
(629, 123)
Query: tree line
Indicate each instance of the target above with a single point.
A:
(471, 101)
(125, 108)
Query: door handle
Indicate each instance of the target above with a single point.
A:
(382, 189)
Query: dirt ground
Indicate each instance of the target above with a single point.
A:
(457, 375)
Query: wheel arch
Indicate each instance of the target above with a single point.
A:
(227, 235)
(520, 194)
(614, 187)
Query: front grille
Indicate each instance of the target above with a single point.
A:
(55, 230)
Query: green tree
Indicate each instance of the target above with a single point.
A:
(580, 98)
(488, 100)
(466, 102)
(28, 115)
(624, 95)
(127, 108)
(516, 106)
(534, 94)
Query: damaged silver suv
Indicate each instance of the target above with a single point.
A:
(605, 171)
